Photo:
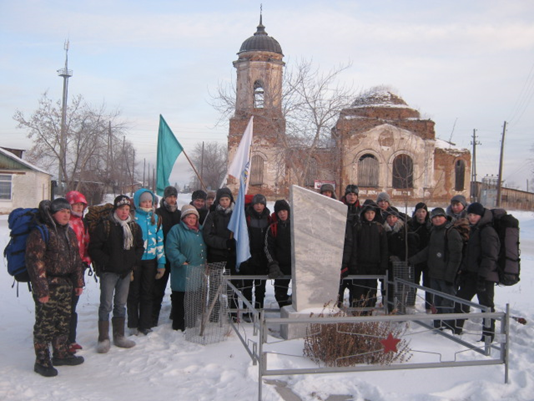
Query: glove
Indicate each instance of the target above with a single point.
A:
(481, 284)
(132, 276)
(160, 273)
(230, 244)
(344, 272)
(274, 271)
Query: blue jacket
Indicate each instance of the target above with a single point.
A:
(185, 245)
(152, 234)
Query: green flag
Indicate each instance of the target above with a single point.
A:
(168, 151)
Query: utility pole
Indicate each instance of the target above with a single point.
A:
(202, 163)
(66, 74)
(474, 142)
(499, 182)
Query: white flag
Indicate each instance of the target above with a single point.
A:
(242, 156)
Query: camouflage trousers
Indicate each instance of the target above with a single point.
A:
(52, 323)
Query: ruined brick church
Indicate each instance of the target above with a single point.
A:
(378, 143)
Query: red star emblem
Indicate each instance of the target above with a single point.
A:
(390, 343)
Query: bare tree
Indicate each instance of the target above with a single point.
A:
(93, 137)
(210, 159)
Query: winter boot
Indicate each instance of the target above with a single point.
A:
(103, 337)
(43, 365)
(62, 356)
(118, 333)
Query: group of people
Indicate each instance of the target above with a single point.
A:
(137, 248)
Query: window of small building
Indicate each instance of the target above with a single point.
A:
(402, 172)
(368, 171)
(259, 95)
(5, 187)
(459, 170)
(256, 170)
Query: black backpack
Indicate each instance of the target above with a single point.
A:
(509, 262)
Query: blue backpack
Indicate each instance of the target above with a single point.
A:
(21, 223)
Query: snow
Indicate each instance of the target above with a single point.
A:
(163, 365)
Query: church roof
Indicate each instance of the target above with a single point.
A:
(261, 41)
(379, 97)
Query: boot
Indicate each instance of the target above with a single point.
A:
(118, 333)
(62, 356)
(43, 365)
(103, 337)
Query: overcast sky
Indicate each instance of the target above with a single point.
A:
(464, 64)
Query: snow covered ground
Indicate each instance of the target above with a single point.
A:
(164, 366)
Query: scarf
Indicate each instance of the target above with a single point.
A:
(128, 236)
(194, 228)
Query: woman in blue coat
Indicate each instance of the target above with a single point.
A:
(186, 252)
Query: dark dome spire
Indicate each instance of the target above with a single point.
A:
(261, 41)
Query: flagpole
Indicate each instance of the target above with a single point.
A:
(195, 170)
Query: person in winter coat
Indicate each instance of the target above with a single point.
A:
(152, 267)
(198, 200)
(55, 268)
(258, 221)
(353, 204)
(210, 199)
(78, 204)
(278, 252)
(186, 252)
(458, 208)
(421, 226)
(170, 216)
(328, 190)
(443, 256)
(478, 271)
(369, 256)
(116, 247)
(402, 244)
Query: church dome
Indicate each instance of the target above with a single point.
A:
(379, 97)
(261, 41)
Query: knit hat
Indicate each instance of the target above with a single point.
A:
(368, 205)
(327, 187)
(224, 192)
(383, 196)
(170, 191)
(421, 205)
(352, 189)
(392, 212)
(189, 209)
(438, 211)
(211, 195)
(145, 196)
(460, 199)
(59, 204)
(76, 197)
(121, 200)
(199, 194)
(476, 208)
(281, 204)
(259, 198)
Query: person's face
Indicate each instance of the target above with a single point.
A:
(283, 215)
(370, 215)
(439, 220)
(327, 193)
(420, 215)
(209, 202)
(123, 212)
(224, 202)
(78, 207)
(171, 200)
(147, 204)
(457, 207)
(191, 219)
(259, 207)
(62, 217)
(392, 219)
(351, 198)
(199, 203)
(382, 204)
(473, 218)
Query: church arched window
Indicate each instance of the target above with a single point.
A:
(459, 175)
(368, 171)
(256, 170)
(402, 172)
(259, 95)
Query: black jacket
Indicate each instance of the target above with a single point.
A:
(168, 218)
(216, 236)
(258, 224)
(278, 245)
(370, 250)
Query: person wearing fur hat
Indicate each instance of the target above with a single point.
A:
(56, 272)
(478, 271)
(152, 267)
(421, 225)
(258, 221)
(170, 215)
(210, 198)
(198, 200)
(278, 252)
(458, 207)
(116, 247)
(186, 253)
(328, 190)
(353, 203)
